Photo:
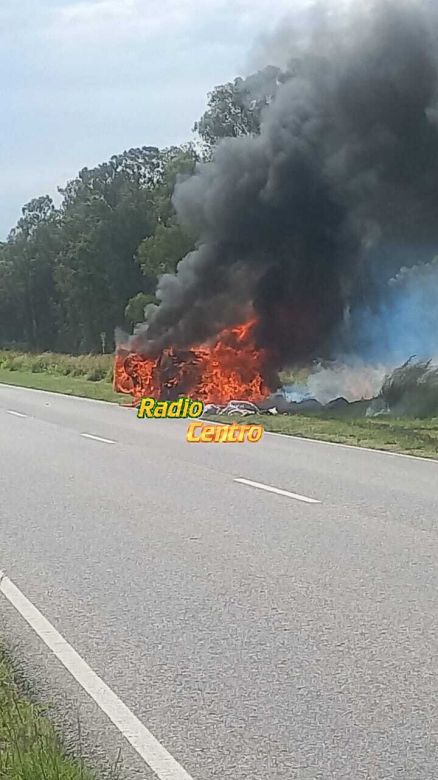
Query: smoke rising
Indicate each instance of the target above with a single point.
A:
(314, 217)
(405, 321)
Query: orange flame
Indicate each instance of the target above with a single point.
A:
(230, 368)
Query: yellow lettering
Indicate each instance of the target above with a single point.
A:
(232, 431)
(196, 409)
(221, 433)
(146, 408)
(241, 433)
(191, 432)
(255, 433)
(208, 433)
(160, 409)
(174, 409)
(200, 432)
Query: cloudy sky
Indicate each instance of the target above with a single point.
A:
(84, 79)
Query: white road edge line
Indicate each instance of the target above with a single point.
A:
(16, 414)
(355, 448)
(280, 492)
(113, 404)
(117, 405)
(147, 746)
(97, 438)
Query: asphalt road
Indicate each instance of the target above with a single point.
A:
(257, 636)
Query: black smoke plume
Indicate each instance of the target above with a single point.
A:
(312, 217)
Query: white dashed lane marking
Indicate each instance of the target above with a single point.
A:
(97, 438)
(278, 491)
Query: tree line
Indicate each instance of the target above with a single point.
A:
(70, 274)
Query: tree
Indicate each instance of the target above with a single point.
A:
(135, 309)
(160, 252)
(69, 274)
(106, 213)
(235, 108)
(27, 291)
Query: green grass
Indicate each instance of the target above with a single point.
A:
(29, 746)
(92, 367)
(69, 385)
(409, 436)
(87, 376)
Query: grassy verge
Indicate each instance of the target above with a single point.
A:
(88, 376)
(91, 367)
(69, 385)
(29, 746)
(412, 437)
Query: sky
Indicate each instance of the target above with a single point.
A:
(82, 80)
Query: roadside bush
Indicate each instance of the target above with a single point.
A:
(6, 360)
(96, 374)
(412, 389)
(16, 364)
(92, 367)
(42, 364)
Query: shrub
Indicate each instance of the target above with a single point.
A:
(96, 374)
(412, 389)
(92, 367)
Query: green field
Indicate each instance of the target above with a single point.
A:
(92, 367)
(29, 746)
(101, 391)
(88, 376)
(412, 437)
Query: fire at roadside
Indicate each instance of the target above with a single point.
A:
(232, 366)
(323, 225)
(229, 376)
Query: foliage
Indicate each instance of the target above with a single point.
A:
(67, 274)
(160, 252)
(235, 108)
(134, 311)
(412, 389)
(71, 273)
(29, 746)
(90, 366)
(27, 290)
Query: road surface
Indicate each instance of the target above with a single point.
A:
(243, 634)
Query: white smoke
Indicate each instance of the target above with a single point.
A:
(354, 381)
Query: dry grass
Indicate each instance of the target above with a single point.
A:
(88, 376)
(94, 368)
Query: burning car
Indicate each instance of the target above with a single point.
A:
(231, 366)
